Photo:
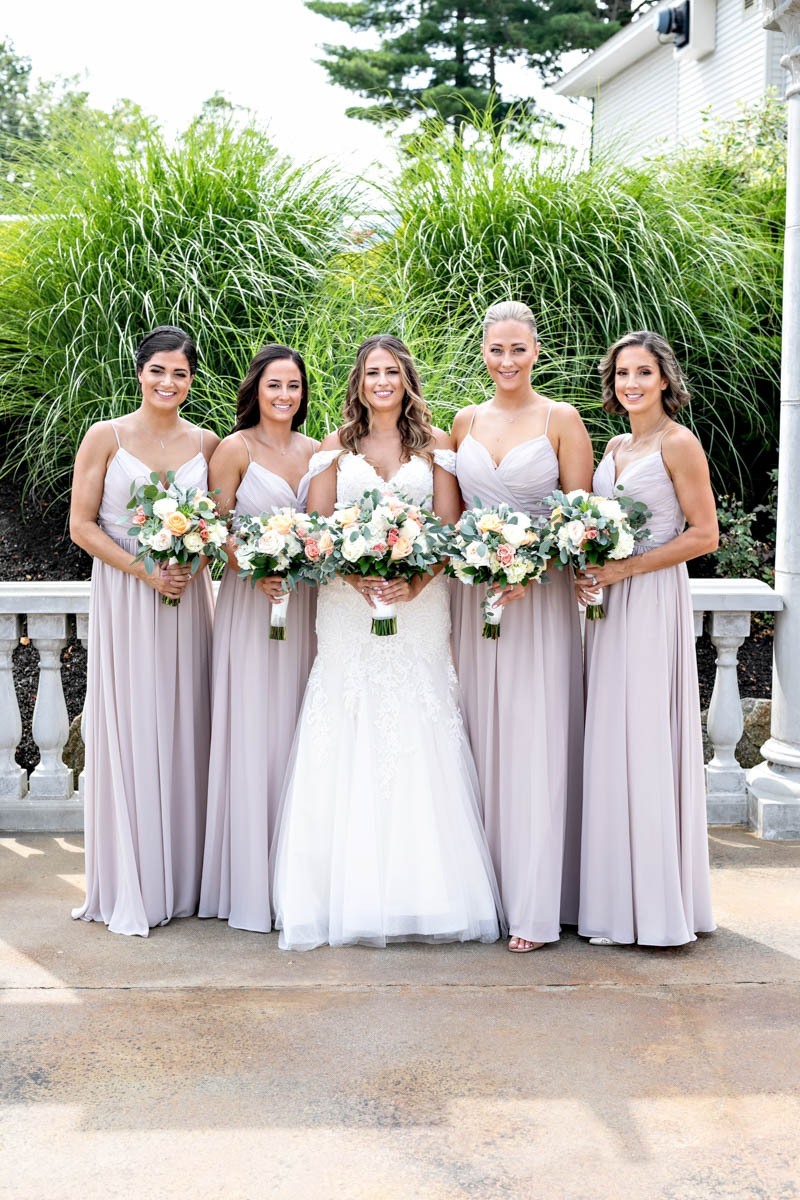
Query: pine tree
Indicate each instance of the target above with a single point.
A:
(443, 56)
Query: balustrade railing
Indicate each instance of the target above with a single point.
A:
(53, 611)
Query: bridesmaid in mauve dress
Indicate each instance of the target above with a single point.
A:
(147, 710)
(644, 873)
(522, 693)
(257, 684)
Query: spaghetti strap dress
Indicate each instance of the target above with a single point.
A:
(645, 875)
(522, 698)
(257, 690)
(147, 727)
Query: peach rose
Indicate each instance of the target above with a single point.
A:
(281, 523)
(401, 549)
(490, 523)
(326, 542)
(312, 550)
(177, 523)
(506, 555)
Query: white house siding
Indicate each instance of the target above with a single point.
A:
(661, 99)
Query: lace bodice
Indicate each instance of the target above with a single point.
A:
(355, 475)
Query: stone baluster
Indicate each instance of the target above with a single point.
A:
(13, 779)
(82, 633)
(52, 778)
(726, 789)
(699, 616)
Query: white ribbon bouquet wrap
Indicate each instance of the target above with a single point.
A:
(283, 542)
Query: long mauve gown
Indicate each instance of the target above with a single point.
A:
(257, 690)
(147, 726)
(644, 873)
(522, 700)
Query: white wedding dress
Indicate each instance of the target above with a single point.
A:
(380, 836)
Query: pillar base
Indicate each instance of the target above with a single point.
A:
(42, 816)
(727, 808)
(774, 801)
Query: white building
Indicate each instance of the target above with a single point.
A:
(648, 94)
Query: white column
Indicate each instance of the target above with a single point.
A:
(774, 785)
(52, 778)
(726, 792)
(13, 779)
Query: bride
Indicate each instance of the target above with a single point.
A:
(380, 836)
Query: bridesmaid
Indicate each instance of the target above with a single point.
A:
(147, 719)
(521, 694)
(644, 873)
(258, 684)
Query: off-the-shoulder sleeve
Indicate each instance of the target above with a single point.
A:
(445, 459)
(320, 461)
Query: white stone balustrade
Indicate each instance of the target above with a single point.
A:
(48, 802)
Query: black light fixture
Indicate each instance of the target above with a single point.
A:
(675, 22)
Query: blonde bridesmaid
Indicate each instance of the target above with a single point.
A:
(522, 694)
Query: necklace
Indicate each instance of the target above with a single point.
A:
(648, 437)
(159, 439)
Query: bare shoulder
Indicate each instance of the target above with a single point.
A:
(441, 440)
(230, 450)
(310, 445)
(331, 442)
(210, 441)
(565, 416)
(99, 440)
(680, 446)
(462, 421)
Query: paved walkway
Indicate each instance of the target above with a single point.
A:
(204, 1062)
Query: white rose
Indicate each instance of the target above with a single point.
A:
(624, 547)
(163, 508)
(380, 522)
(571, 535)
(610, 509)
(576, 495)
(217, 533)
(411, 530)
(514, 534)
(354, 548)
(161, 540)
(270, 543)
(460, 572)
(193, 542)
(244, 557)
(477, 554)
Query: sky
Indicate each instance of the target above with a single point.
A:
(171, 55)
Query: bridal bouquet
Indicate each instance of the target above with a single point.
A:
(283, 543)
(175, 525)
(588, 530)
(498, 546)
(386, 536)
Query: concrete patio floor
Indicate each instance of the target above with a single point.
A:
(204, 1062)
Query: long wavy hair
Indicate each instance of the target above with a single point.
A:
(248, 412)
(414, 423)
(675, 394)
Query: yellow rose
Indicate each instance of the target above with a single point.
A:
(281, 523)
(347, 516)
(490, 523)
(177, 523)
(325, 543)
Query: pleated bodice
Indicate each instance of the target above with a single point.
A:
(125, 469)
(645, 479)
(527, 472)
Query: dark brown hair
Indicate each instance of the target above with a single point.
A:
(675, 394)
(414, 423)
(166, 338)
(248, 412)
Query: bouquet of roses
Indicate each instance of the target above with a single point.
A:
(588, 530)
(175, 525)
(285, 543)
(386, 536)
(499, 546)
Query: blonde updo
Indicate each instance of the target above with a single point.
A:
(510, 310)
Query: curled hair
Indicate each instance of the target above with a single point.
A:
(248, 411)
(675, 394)
(414, 422)
(166, 338)
(510, 310)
